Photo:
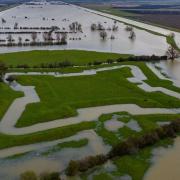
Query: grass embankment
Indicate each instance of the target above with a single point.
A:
(48, 135)
(60, 97)
(76, 57)
(7, 95)
(69, 144)
(172, 42)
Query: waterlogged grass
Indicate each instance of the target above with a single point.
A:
(68, 144)
(137, 165)
(61, 97)
(48, 135)
(132, 165)
(36, 58)
(7, 95)
(102, 176)
(146, 122)
(152, 79)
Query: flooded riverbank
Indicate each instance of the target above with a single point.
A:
(48, 15)
(166, 165)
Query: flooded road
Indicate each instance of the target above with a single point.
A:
(48, 15)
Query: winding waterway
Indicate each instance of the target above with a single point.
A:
(95, 145)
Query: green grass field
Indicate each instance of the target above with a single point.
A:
(60, 97)
(36, 58)
(6, 97)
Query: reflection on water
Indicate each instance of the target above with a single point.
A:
(171, 68)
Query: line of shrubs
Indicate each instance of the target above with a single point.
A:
(61, 64)
(19, 32)
(128, 147)
(67, 63)
(33, 44)
(30, 175)
(131, 58)
(30, 32)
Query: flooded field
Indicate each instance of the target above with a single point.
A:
(33, 18)
(43, 158)
(46, 15)
(29, 157)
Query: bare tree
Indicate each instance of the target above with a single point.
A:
(49, 36)
(75, 26)
(129, 28)
(103, 34)
(79, 27)
(64, 38)
(172, 53)
(9, 38)
(112, 37)
(34, 37)
(20, 40)
(3, 70)
(58, 37)
(3, 20)
(132, 35)
(115, 28)
(45, 36)
(100, 27)
(93, 27)
(16, 25)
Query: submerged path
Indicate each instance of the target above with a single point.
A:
(8, 122)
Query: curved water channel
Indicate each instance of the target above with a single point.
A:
(95, 145)
(7, 124)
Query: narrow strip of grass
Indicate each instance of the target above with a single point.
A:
(69, 144)
(7, 95)
(146, 122)
(172, 42)
(48, 135)
(36, 58)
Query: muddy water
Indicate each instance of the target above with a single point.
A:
(145, 43)
(167, 161)
(54, 161)
(167, 165)
(171, 68)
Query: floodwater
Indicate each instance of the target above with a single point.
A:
(59, 161)
(140, 24)
(171, 68)
(167, 164)
(63, 15)
(11, 168)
